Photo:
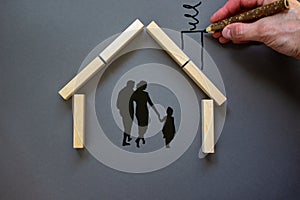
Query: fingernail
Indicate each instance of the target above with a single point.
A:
(226, 33)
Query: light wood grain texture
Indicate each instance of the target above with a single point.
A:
(204, 83)
(78, 120)
(97, 64)
(121, 41)
(81, 78)
(207, 126)
(167, 44)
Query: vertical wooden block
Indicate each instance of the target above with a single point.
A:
(167, 44)
(208, 141)
(204, 83)
(78, 120)
(81, 78)
(121, 41)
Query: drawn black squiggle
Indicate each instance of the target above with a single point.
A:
(193, 17)
(193, 28)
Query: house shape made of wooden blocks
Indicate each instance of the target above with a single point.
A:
(188, 66)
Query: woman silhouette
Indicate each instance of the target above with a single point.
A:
(141, 99)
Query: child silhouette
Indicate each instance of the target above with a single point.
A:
(169, 127)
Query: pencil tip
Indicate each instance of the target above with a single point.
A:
(209, 30)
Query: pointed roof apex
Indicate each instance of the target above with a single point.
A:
(164, 41)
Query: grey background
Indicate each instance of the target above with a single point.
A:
(42, 46)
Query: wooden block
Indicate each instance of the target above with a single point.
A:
(97, 64)
(121, 41)
(167, 44)
(81, 78)
(208, 141)
(204, 83)
(78, 121)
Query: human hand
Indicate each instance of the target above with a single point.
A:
(281, 32)
(159, 118)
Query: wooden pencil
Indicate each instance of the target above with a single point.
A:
(251, 15)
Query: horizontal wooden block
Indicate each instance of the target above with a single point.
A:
(204, 83)
(121, 41)
(81, 78)
(167, 44)
(208, 141)
(78, 120)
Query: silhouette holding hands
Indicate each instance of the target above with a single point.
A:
(125, 107)
(141, 99)
(169, 127)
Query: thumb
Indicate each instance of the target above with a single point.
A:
(241, 32)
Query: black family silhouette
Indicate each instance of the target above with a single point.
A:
(126, 110)
(169, 127)
(141, 99)
(132, 103)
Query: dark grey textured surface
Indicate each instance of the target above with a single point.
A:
(42, 46)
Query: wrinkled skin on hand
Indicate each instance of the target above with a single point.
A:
(281, 32)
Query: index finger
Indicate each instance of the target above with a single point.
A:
(232, 7)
